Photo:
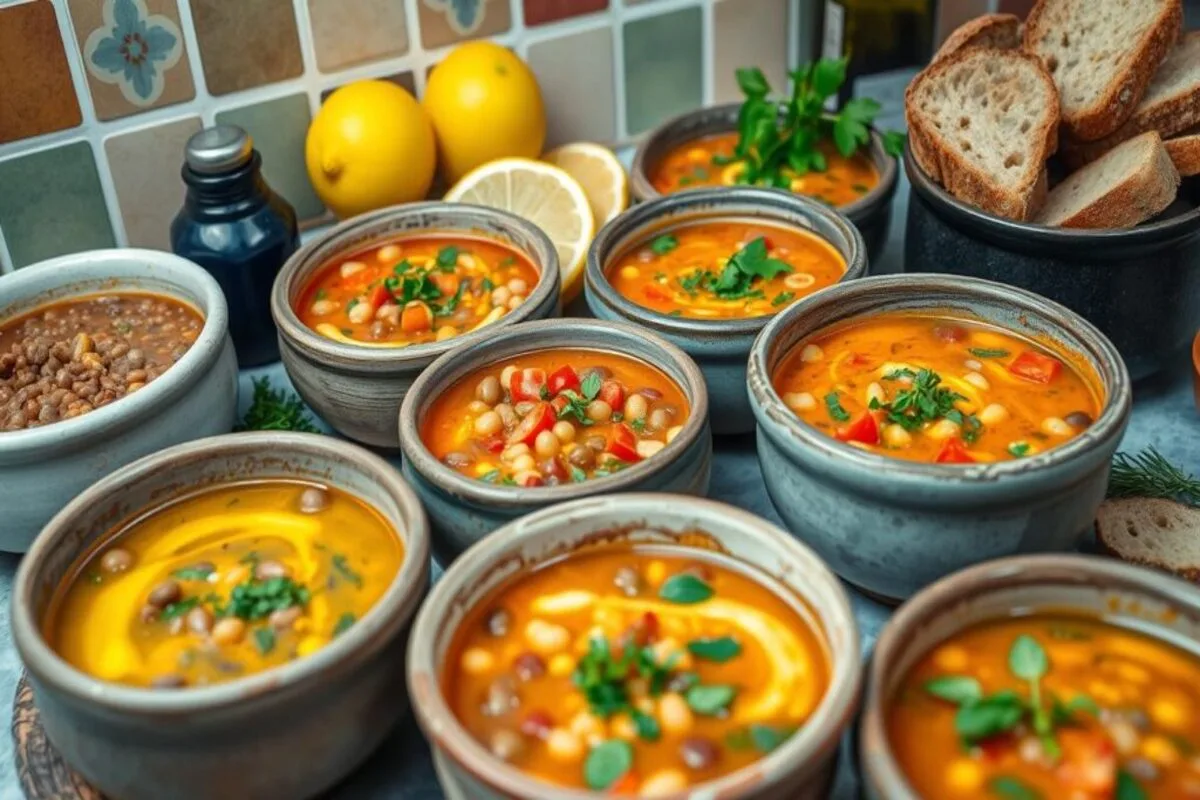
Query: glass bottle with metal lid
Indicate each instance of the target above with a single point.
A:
(238, 229)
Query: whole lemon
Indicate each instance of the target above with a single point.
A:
(485, 104)
(370, 145)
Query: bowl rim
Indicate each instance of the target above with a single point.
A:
(722, 118)
(1031, 235)
(779, 422)
(444, 731)
(367, 636)
(462, 364)
(710, 204)
(316, 347)
(1044, 569)
(108, 263)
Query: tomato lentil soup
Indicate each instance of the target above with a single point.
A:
(937, 388)
(554, 416)
(417, 289)
(709, 161)
(1050, 707)
(223, 584)
(635, 669)
(726, 269)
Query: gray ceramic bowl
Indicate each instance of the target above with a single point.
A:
(358, 389)
(892, 526)
(719, 346)
(1140, 287)
(871, 213)
(291, 731)
(463, 511)
(799, 770)
(43, 468)
(1118, 593)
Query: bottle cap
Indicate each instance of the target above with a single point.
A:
(219, 149)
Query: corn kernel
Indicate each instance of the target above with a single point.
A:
(561, 665)
(656, 572)
(477, 661)
(964, 775)
(951, 658)
(1160, 750)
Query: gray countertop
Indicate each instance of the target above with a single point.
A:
(1163, 417)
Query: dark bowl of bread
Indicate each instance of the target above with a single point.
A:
(1043, 156)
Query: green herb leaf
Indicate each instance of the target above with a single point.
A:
(447, 308)
(993, 714)
(684, 589)
(782, 297)
(835, 407)
(264, 640)
(1027, 659)
(753, 260)
(719, 650)
(343, 624)
(491, 476)
(958, 689)
(578, 475)
(983, 352)
(199, 573)
(179, 608)
(893, 143)
(590, 386)
(1018, 449)
(646, 725)
(924, 401)
(1011, 788)
(1128, 787)
(342, 566)
(254, 600)
(709, 700)
(664, 244)
(606, 763)
(752, 82)
(447, 257)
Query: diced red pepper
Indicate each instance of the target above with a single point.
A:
(531, 480)
(954, 452)
(626, 784)
(623, 443)
(864, 429)
(1035, 367)
(1089, 762)
(378, 296)
(612, 393)
(540, 418)
(527, 384)
(493, 444)
(562, 379)
(652, 292)
(446, 283)
(537, 724)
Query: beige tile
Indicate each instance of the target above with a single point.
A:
(246, 43)
(134, 54)
(749, 33)
(351, 32)
(444, 22)
(145, 170)
(565, 65)
(37, 100)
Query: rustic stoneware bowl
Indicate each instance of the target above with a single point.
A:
(800, 769)
(1140, 286)
(463, 510)
(1122, 594)
(41, 469)
(291, 731)
(871, 213)
(890, 526)
(719, 346)
(358, 389)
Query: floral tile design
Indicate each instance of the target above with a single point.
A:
(562, 66)
(444, 22)
(539, 12)
(134, 54)
(246, 44)
(749, 33)
(404, 80)
(38, 96)
(278, 128)
(60, 207)
(145, 171)
(663, 68)
(347, 33)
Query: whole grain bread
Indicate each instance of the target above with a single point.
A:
(1170, 106)
(1102, 55)
(1184, 151)
(999, 31)
(1161, 534)
(982, 123)
(1129, 184)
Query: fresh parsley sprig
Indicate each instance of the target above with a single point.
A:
(926, 400)
(737, 278)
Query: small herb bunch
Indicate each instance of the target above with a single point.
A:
(926, 401)
(737, 278)
(577, 402)
(774, 135)
(1148, 474)
(275, 410)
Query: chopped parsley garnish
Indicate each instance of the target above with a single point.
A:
(275, 410)
(447, 308)
(736, 281)
(179, 608)
(577, 403)
(638, 425)
(1018, 449)
(194, 573)
(664, 244)
(491, 476)
(507, 261)
(342, 566)
(343, 624)
(253, 600)
(924, 401)
(447, 257)
(264, 640)
(782, 297)
(983, 352)
(601, 675)
(834, 405)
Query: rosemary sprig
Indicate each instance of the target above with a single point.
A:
(275, 410)
(1148, 474)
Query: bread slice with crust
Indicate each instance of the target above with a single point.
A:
(1160, 534)
(1185, 152)
(999, 31)
(982, 123)
(1129, 184)
(1102, 55)
(1170, 106)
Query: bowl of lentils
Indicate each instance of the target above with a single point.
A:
(105, 356)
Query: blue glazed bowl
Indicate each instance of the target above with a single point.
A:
(719, 346)
(891, 527)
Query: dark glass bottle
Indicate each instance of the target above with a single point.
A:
(234, 226)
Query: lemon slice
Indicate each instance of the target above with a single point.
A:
(546, 196)
(599, 173)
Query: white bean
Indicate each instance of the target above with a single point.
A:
(811, 353)
(523, 463)
(546, 638)
(562, 745)
(323, 307)
(477, 661)
(943, 429)
(518, 286)
(488, 423)
(1056, 426)
(514, 302)
(360, 312)
(648, 447)
(500, 295)
(895, 436)
(993, 414)
(636, 407)
(673, 432)
(388, 254)
(513, 451)
(800, 401)
(351, 268)
(599, 411)
(546, 444)
(977, 380)
(506, 376)
(973, 365)
(564, 430)
(478, 407)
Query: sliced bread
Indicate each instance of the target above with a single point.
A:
(1129, 184)
(1151, 532)
(1102, 54)
(982, 123)
(1185, 152)
(1001, 31)
(1170, 106)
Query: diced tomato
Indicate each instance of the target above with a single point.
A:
(540, 418)
(1035, 367)
(562, 379)
(864, 429)
(527, 384)
(626, 784)
(652, 292)
(531, 480)
(996, 747)
(378, 296)
(416, 317)
(1088, 763)
(767, 243)
(954, 452)
(858, 360)
(623, 443)
(446, 283)
(612, 393)
(493, 444)
(649, 625)
(559, 403)
(537, 724)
